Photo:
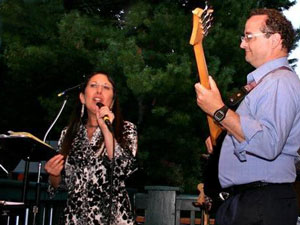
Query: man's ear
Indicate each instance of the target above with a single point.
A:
(82, 98)
(276, 40)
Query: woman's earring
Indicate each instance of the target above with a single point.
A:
(112, 104)
(82, 111)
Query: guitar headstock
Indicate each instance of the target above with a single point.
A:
(202, 21)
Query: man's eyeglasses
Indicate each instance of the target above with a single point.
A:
(249, 37)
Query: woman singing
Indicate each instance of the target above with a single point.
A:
(94, 162)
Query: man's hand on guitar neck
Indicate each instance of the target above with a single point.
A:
(210, 100)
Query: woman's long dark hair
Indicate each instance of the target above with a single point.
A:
(76, 120)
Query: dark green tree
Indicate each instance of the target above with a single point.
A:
(48, 46)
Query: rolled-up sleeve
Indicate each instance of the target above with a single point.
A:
(267, 123)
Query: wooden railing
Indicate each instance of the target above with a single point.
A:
(159, 205)
(162, 205)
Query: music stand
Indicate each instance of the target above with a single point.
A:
(24, 146)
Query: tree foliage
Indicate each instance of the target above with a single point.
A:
(48, 46)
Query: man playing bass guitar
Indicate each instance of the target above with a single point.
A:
(258, 154)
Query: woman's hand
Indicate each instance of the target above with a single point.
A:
(55, 165)
(102, 112)
(108, 136)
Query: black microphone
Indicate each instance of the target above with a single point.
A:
(67, 90)
(105, 118)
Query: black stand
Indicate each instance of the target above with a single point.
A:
(25, 180)
(15, 148)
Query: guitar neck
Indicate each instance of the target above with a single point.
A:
(214, 129)
(201, 65)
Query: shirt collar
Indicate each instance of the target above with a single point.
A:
(266, 68)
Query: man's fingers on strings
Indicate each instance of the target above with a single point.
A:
(209, 146)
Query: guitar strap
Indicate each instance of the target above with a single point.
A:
(237, 97)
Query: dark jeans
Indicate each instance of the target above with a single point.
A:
(274, 204)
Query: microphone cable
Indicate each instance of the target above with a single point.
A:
(111, 179)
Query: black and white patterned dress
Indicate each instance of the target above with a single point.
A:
(87, 179)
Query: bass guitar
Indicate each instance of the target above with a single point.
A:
(202, 20)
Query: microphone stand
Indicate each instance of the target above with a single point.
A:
(35, 208)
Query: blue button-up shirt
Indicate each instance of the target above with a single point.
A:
(270, 120)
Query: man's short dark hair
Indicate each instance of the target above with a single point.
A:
(277, 23)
